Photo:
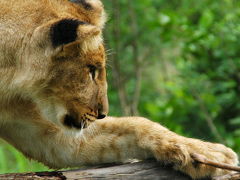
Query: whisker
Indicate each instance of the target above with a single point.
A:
(109, 50)
(108, 65)
(94, 129)
(84, 137)
(90, 131)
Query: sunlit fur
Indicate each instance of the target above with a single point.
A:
(42, 82)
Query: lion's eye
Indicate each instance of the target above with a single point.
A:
(92, 71)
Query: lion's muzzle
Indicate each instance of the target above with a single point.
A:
(80, 116)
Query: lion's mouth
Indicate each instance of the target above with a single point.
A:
(81, 123)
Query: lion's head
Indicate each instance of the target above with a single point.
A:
(62, 65)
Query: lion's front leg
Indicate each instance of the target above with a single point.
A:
(106, 141)
(114, 140)
(168, 147)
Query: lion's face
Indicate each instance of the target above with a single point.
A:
(63, 69)
(78, 81)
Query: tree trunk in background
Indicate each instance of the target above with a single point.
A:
(128, 102)
(136, 59)
(116, 68)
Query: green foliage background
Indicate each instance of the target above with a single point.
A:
(190, 68)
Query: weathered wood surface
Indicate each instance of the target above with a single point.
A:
(148, 170)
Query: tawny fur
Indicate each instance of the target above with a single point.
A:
(41, 84)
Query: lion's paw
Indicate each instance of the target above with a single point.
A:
(180, 154)
(214, 152)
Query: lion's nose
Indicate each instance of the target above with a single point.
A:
(101, 113)
(73, 122)
(103, 109)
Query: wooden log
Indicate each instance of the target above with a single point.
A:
(147, 170)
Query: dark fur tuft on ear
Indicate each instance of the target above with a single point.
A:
(64, 31)
(84, 4)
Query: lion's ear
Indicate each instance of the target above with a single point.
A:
(88, 31)
(93, 10)
(86, 5)
(67, 31)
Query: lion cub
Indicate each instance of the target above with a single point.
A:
(53, 87)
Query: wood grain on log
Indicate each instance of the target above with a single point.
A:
(148, 170)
